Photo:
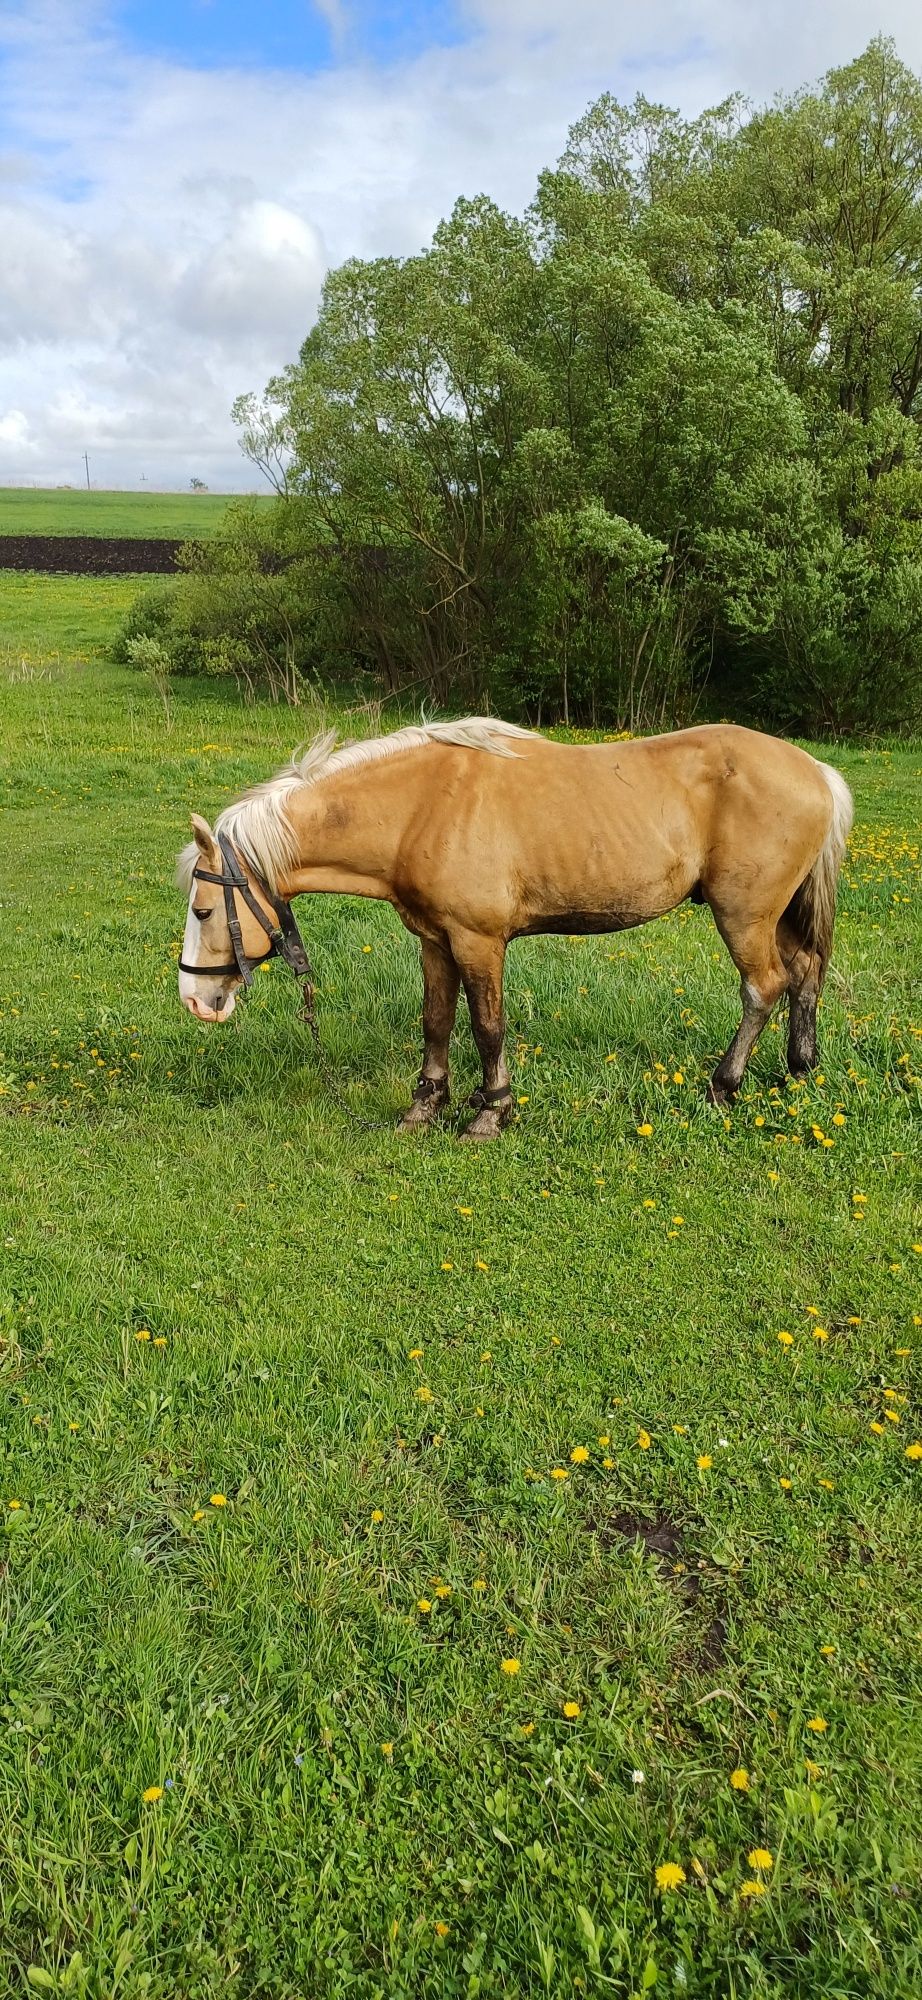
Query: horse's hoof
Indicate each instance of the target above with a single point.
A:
(718, 1093)
(419, 1116)
(488, 1123)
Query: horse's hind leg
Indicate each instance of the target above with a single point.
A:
(763, 979)
(481, 961)
(804, 969)
(441, 984)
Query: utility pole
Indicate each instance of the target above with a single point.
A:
(87, 464)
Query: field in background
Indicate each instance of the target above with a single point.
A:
(309, 1429)
(73, 511)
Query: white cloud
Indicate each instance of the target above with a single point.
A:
(165, 230)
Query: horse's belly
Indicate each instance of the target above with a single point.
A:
(581, 923)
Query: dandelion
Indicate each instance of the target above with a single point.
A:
(199, 1514)
(785, 1485)
(479, 1583)
(644, 1440)
(761, 1859)
(827, 1652)
(143, 1333)
(820, 1333)
(465, 1211)
(644, 1131)
(559, 1472)
(669, 1876)
(571, 1710)
(152, 1794)
(446, 1265)
(608, 1465)
(752, 1889)
(813, 1771)
(424, 1606)
(526, 1729)
(759, 1120)
(579, 1455)
(415, 1354)
(786, 1339)
(511, 1666)
(377, 1515)
(892, 1416)
(838, 1118)
(14, 1506)
(443, 1590)
(818, 1724)
(481, 1266)
(739, 1779)
(878, 1429)
(914, 1450)
(218, 1499)
(387, 1749)
(604, 1439)
(425, 1393)
(441, 1930)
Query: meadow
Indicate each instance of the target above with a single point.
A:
(432, 1571)
(66, 510)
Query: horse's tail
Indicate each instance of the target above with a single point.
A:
(812, 909)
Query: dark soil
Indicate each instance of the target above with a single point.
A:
(89, 555)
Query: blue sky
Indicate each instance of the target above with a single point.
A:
(176, 177)
(285, 34)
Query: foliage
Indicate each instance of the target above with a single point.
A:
(660, 432)
(249, 1662)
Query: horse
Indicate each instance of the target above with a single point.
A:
(479, 832)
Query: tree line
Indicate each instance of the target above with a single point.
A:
(649, 451)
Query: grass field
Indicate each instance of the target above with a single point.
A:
(310, 1432)
(61, 510)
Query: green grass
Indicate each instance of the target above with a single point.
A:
(59, 510)
(49, 622)
(252, 1659)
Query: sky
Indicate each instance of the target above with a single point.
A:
(177, 175)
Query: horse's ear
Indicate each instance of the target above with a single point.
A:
(206, 842)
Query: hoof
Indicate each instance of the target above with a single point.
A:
(429, 1098)
(719, 1093)
(489, 1122)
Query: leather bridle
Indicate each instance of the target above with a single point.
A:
(285, 940)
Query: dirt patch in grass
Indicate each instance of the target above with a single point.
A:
(89, 555)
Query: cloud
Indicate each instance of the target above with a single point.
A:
(165, 228)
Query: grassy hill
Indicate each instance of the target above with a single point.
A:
(61, 510)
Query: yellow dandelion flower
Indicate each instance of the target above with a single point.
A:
(759, 1120)
(571, 1710)
(608, 1465)
(441, 1930)
(526, 1729)
(878, 1429)
(579, 1455)
(425, 1393)
(813, 1771)
(218, 1499)
(760, 1858)
(752, 1889)
(644, 1440)
(785, 1485)
(828, 1484)
(739, 1779)
(681, 1430)
(447, 1265)
(644, 1131)
(512, 1666)
(465, 1211)
(443, 1590)
(14, 1506)
(814, 1311)
(152, 1794)
(481, 1266)
(818, 1724)
(604, 1439)
(479, 1583)
(415, 1354)
(892, 1416)
(705, 1461)
(423, 1604)
(669, 1876)
(820, 1333)
(838, 1118)
(786, 1339)
(377, 1515)
(387, 1749)
(559, 1472)
(143, 1333)
(827, 1652)
(649, 1204)
(199, 1514)
(914, 1450)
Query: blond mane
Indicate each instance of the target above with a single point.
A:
(259, 824)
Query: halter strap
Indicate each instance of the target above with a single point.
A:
(285, 940)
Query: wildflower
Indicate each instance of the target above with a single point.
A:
(669, 1876)
(818, 1724)
(559, 1472)
(838, 1118)
(914, 1450)
(465, 1211)
(579, 1455)
(604, 1439)
(739, 1779)
(143, 1333)
(481, 1266)
(786, 1339)
(829, 1485)
(644, 1440)
(218, 1499)
(814, 1311)
(878, 1429)
(644, 1131)
(819, 1333)
(446, 1265)
(441, 1930)
(423, 1605)
(705, 1461)
(511, 1666)
(649, 1204)
(14, 1506)
(571, 1710)
(638, 1777)
(785, 1485)
(425, 1393)
(415, 1354)
(486, 1357)
(377, 1515)
(527, 1728)
(813, 1771)
(827, 1652)
(681, 1430)
(608, 1465)
(892, 1416)
(479, 1583)
(760, 1858)
(759, 1121)
(199, 1514)
(677, 1076)
(752, 1889)
(387, 1749)
(443, 1590)
(152, 1794)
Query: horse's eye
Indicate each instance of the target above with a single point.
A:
(201, 915)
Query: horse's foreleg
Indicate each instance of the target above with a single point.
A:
(441, 983)
(763, 979)
(481, 961)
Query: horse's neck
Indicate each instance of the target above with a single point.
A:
(348, 829)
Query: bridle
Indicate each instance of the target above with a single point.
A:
(285, 940)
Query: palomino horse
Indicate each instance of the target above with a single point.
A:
(478, 832)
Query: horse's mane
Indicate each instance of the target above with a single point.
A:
(259, 825)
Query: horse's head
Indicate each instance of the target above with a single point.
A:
(224, 937)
